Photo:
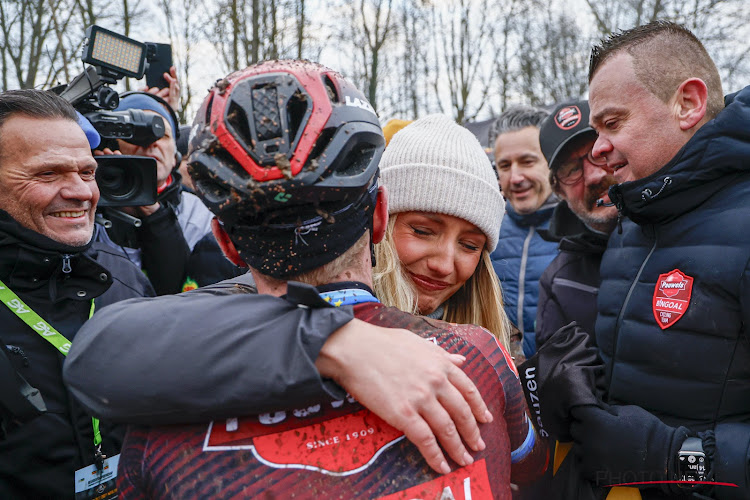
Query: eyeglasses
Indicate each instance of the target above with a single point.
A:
(571, 172)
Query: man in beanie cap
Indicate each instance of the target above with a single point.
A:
(581, 223)
(522, 255)
(308, 208)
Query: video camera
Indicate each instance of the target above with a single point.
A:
(123, 180)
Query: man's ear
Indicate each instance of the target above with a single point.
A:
(226, 245)
(380, 217)
(691, 100)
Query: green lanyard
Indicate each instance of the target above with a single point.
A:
(46, 331)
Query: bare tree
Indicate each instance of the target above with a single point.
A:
(463, 33)
(25, 27)
(183, 27)
(370, 28)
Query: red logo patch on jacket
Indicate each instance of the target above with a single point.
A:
(332, 439)
(671, 297)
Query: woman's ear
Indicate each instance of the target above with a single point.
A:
(225, 243)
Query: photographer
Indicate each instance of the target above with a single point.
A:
(172, 227)
(52, 278)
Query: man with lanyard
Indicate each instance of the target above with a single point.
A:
(309, 208)
(51, 278)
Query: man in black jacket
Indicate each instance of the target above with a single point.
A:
(52, 277)
(673, 310)
(581, 223)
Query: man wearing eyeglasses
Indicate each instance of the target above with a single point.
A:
(581, 223)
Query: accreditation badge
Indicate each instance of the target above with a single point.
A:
(95, 484)
(671, 297)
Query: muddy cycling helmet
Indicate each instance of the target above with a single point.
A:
(285, 154)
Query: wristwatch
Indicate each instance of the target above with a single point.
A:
(692, 464)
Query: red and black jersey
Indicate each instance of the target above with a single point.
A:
(339, 449)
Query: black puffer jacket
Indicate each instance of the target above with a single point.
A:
(38, 459)
(678, 345)
(569, 286)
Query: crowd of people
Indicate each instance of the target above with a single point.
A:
(315, 309)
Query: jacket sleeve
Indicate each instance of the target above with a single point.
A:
(732, 455)
(550, 316)
(731, 461)
(209, 353)
(164, 250)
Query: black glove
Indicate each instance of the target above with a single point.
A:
(624, 444)
(732, 460)
(565, 372)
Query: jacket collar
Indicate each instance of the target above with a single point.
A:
(30, 262)
(713, 158)
(536, 218)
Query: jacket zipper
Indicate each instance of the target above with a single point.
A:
(66, 263)
(618, 324)
(522, 278)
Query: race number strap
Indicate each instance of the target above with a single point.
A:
(45, 330)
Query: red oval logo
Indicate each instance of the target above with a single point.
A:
(568, 117)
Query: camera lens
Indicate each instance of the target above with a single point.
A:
(116, 183)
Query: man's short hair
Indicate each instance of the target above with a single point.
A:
(665, 54)
(36, 104)
(517, 118)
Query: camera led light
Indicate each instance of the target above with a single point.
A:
(115, 52)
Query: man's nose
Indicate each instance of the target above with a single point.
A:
(76, 188)
(516, 177)
(602, 146)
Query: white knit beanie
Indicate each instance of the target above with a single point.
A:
(436, 165)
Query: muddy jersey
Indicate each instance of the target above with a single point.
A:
(339, 449)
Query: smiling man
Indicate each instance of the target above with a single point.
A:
(521, 254)
(672, 327)
(49, 270)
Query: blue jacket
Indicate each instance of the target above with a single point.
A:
(674, 300)
(519, 260)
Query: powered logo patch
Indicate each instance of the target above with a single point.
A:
(671, 297)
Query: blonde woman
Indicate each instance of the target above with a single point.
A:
(445, 212)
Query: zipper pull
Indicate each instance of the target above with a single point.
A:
(66, 263)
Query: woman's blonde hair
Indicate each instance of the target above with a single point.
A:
(478, 302)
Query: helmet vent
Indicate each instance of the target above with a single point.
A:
(212, 190)
(357, 160)
(322, 143)
(331, 89)
(209, 107)
(296, 110)
(237, 118)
